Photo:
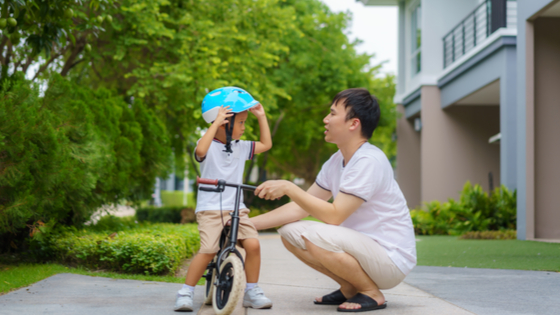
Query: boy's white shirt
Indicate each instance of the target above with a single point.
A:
(384, 216)
(218, 164)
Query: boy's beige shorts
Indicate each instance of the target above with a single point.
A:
(210, 228)
(370, 255)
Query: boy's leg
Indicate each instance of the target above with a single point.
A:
(197, 267)
(248, 237)
(253, 259)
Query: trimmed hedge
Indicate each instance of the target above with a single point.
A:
(149, 248)
(166, 215)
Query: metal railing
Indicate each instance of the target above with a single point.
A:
(489, 16)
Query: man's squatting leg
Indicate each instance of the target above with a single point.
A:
(347, 289)
(348, 268)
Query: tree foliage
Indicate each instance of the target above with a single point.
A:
(52, 35)
(65, 154)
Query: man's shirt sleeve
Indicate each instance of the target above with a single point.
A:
(361, 179)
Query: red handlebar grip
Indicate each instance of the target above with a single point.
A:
(206, 181)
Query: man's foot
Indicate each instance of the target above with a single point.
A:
(362, 302)
(255, 298)
(184, 302)
(333, 298)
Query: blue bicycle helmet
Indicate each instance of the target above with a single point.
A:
(236, 98)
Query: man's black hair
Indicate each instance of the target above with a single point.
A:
(363, 106)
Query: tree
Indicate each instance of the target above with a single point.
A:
(53, 34)
(171, 53)
(65, 154)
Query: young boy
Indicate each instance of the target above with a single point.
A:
(222, 156)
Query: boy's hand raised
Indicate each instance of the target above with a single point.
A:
(223, 114)
(258, 110)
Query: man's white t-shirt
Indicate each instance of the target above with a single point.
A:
(384, 215)
(218, 164)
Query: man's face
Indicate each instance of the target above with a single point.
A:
(336, 125)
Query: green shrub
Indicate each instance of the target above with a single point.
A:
(166, 214)
(490, 235)
(476, 211)
(148, 249)
(111, 223)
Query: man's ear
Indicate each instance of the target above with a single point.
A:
(355, 124)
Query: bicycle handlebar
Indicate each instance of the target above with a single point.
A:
(206, 181)
(220, 184)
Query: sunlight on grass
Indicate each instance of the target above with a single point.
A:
(449, 251)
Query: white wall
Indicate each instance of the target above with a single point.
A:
(438, 18)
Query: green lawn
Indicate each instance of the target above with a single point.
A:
(22, 275)
(498, 254)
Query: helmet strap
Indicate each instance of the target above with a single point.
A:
(229, 133)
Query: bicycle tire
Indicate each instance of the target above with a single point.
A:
(210, 284)
(231, 284)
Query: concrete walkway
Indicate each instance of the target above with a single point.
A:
(292, 286)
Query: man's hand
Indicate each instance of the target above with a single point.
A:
(273, 189)
(257, 110)
(223, 114)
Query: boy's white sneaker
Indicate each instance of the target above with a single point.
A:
(184, 301)
(255, 298)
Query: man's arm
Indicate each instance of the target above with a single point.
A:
(265, 142)
(332, 213)
(289, 212)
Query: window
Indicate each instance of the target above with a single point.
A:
(416, 39)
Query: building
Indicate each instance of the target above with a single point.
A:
(479, 92)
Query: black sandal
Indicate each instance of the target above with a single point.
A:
(367, 303)
(333, 298)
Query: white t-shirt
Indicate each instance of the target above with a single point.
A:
(384, 215)
(218, 164)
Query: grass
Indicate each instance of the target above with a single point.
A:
(175, 199)
(449, 251)
(21, 275)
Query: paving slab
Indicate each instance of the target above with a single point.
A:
(491, 291)
(85, 295)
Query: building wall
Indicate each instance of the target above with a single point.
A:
(408, 159)
(455, 146)
(547, 127)
(526, 11)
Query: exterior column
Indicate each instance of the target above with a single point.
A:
(408, 159)
(508, 120)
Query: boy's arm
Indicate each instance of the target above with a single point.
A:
(206, 140)
(265, 142)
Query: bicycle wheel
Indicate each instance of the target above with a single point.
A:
(210, 279)
(231, 282)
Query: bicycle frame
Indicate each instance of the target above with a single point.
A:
(220, 186)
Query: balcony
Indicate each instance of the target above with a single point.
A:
(488, 17)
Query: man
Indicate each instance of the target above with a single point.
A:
(366, 242)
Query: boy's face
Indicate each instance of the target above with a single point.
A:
(336, 125)
(239, 127)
